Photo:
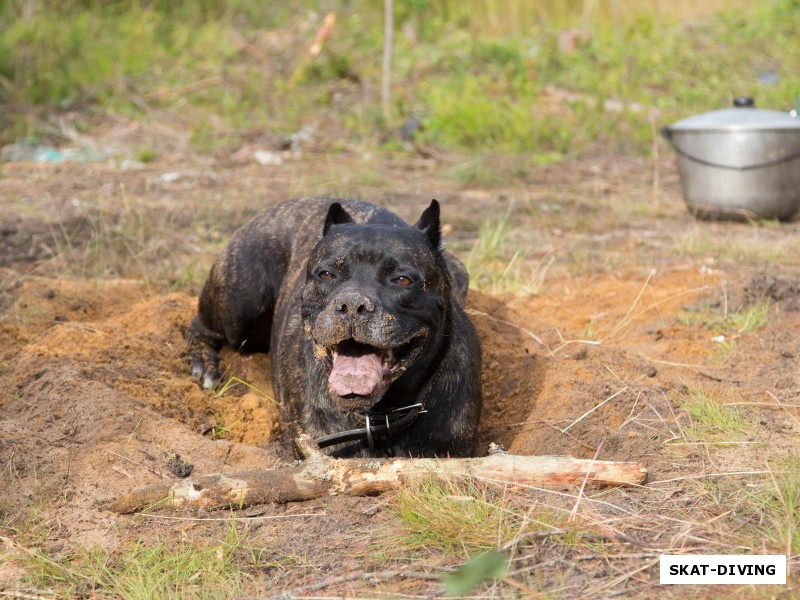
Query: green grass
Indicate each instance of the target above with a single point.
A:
(477, 173)
(233, 382)
(741, 247)
(752, 318)
(141, 570)
(132, 570)
(782, 505)
(719, 320)
(120, 236)
(480, 84)
(710, 419)
(767, 511)
(460, 518)
(728, 327)
(26, 518)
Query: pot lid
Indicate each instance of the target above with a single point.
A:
(744, 116)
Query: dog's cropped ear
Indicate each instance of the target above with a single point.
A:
(336, 216)
(430, 225)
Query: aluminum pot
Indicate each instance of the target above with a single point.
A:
(739, 163)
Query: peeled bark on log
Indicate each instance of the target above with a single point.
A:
(320, 475)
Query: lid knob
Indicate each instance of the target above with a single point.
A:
(744, 102)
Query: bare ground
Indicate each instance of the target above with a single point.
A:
(98, 270)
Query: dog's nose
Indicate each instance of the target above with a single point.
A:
(354, 303)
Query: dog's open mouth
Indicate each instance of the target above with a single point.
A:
(360, 373)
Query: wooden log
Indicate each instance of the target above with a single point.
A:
(320, 475)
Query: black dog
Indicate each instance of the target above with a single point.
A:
(372, 351)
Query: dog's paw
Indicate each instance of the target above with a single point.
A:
(202, 354)
(204, 363)
(205, 368)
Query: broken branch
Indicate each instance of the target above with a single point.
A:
(320, 475)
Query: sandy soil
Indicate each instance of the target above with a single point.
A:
(95, 397)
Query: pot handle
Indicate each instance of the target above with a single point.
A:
(665, 131)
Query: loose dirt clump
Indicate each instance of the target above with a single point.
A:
(777, 289)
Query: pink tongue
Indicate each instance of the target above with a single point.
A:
(355, 374)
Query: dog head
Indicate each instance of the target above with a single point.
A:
(375, 303)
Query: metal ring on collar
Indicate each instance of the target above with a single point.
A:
(369, 434)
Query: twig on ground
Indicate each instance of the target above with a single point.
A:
(530, 535)
(588, 535)
(662, 301)
(625, 319)
(704, 475)
(181, 90)
(231, 518)
(630, 414)
(80, 326)
(321, 475)
(787, 407)
(27, 595)
(624, 577)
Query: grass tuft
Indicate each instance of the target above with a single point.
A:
(711, 419)
(142, 570)
(233, 382)
(460, 518)
(782, 505)
(729, 327)
(493, 266)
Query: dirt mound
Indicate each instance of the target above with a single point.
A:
(543, 393)
(137, 349)
(140, 353)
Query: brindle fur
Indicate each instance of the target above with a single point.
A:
(261, 295)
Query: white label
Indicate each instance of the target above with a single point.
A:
(716, 569)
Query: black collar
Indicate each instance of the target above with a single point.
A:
(375, 425)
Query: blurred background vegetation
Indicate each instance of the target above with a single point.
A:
(550, 78)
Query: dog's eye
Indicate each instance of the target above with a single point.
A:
(403, 280)
(326, 275)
